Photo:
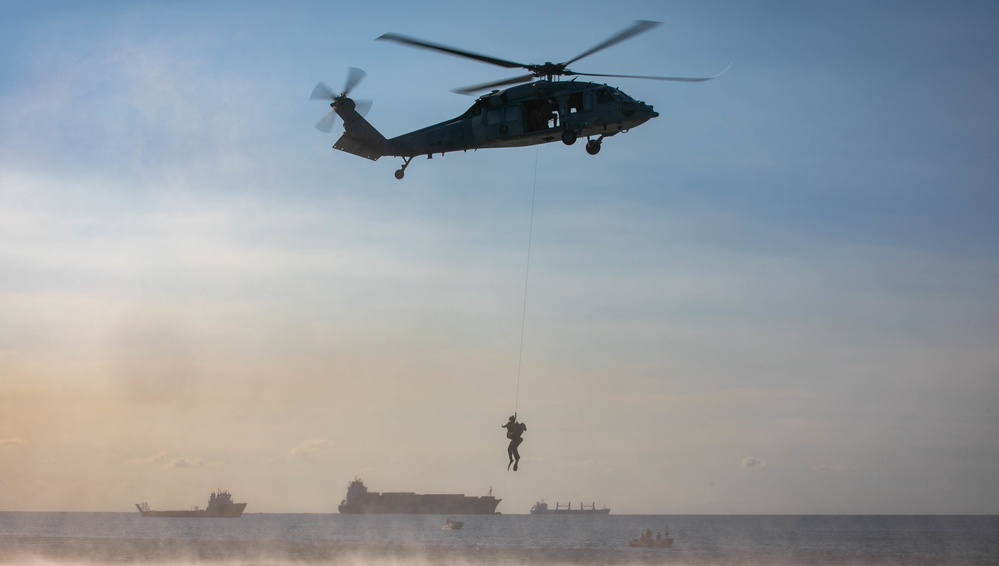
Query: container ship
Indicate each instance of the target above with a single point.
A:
(541, 508)
(361, 501)
(220, 505)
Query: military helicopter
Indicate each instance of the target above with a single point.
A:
(545, 110)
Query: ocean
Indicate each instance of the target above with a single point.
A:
(392, 540)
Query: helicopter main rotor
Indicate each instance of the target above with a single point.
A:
(547, 71)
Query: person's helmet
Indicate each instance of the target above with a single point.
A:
(513, 418)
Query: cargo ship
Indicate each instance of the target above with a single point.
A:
(220, 505)
(541, 508)
(361, 501)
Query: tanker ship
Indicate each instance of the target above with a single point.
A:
(541, 508)
(361, 501)
(220, 505)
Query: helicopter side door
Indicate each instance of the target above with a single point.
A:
(541, 114)
(606, 105)
(503, 122)
(578, 109)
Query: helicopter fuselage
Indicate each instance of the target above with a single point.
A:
(539, 112)
(540, 109)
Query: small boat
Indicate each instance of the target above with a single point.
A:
(452, 525)
(646, 540)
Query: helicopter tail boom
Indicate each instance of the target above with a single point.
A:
(359, 137)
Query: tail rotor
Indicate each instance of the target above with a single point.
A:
(340, 101)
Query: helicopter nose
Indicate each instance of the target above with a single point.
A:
(647, 112)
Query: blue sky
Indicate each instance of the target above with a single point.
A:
(777, 297)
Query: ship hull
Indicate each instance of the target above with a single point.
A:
(233, 511)
(572, 512)
(417, 504)
(542, 508)
(660, 543)
(360, 501)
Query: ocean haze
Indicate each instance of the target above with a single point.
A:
(97, 538)
(779, 297)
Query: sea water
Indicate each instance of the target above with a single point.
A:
(279, 539)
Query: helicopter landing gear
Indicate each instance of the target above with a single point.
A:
(401, 172)
(593, 146)
(568, 137)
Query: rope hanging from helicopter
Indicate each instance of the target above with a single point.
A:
(527, 278)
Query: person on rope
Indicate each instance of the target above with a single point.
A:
(514, 431)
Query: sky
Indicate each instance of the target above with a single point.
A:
(779, 296)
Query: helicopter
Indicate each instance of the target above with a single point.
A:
(544, 110)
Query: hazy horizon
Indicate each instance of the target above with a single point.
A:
(779, 297)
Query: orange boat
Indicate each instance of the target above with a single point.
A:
(646, 540)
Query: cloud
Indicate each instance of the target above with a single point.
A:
(311, 447)
(15, 441)
(186, 463)
(146, 108)
(826, 467)
(154, 459)
(752, 462)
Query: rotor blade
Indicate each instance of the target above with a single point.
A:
(362, 106)
(678, 79)
(354, 76)
(326, 124)
(322, 92)
(640, 26)
(413, 42)
(481, 87)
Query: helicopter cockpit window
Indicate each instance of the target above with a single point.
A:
(620, 96)
(494, 117)
(604, 96)
(512, 113)
(475, 109)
